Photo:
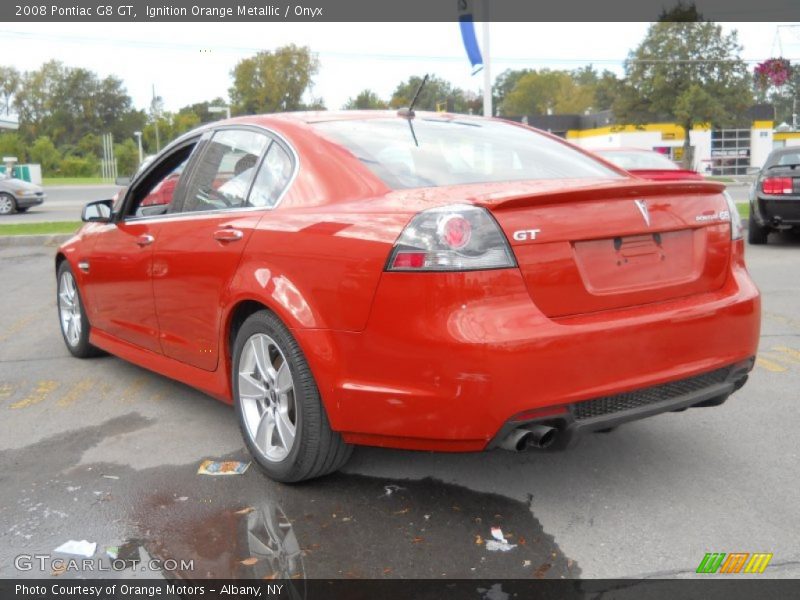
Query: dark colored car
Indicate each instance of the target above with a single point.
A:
(775, 195)
(17, 195)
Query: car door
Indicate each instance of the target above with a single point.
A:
(198, 251)
(119, 268)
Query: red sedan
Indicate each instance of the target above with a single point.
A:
(428, 281)
(648, 164)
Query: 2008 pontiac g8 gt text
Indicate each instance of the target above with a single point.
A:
(425, 281)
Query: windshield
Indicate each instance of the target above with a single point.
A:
(425, 152)
(632, 161)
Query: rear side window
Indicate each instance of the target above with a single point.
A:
(225, 171)
(272, 177)
(425, 152)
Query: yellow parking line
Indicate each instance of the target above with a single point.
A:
(6, 389)
(78, 390)
(18, 326)
(130, 393)
(791, 353)
(769, 365)
(40, 394)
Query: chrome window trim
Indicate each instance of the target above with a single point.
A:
(275, 137)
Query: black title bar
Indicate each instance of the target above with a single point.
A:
(383, 11)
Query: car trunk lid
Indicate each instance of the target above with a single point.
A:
(584, 247)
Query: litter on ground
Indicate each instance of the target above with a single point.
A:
(78, 548)
(225, 467)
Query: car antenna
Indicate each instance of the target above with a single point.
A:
(408, 113)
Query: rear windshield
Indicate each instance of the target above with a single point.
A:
(632, 161)
(783, 159)
(426, 152)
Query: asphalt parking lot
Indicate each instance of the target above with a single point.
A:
(105, 451)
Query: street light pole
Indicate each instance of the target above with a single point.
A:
(138, 135)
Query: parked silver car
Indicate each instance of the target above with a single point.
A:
(17, 195)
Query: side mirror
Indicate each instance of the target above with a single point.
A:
(753, 170)
(98, 211)
(123, 181)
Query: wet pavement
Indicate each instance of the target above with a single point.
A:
(345, 525)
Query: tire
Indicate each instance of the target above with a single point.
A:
(280, 399)
(73, 323)
(756, 234)
(8, 206)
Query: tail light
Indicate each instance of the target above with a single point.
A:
(737, 230)
(777, 186)
(460, 237)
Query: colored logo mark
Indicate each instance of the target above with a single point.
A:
(735, 562)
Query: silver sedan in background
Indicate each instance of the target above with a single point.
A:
(17, 195)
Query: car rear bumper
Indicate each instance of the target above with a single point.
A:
(706, 389)
(778, 212)
(448, 360)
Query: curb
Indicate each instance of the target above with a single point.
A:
(51, 240)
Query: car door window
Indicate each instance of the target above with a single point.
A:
(156, 193)
(223, 175)
(159, 198)
(272, 177)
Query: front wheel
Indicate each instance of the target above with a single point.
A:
(72, 316)
(280, 412)
(8, 205)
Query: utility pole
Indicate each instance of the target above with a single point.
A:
(487, 64)
(155, 119)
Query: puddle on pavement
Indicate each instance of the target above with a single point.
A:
(342, 526)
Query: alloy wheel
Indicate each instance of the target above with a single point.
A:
(69, 309)
(6, 204)
(266, 394)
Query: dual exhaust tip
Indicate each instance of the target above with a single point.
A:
(528, 437)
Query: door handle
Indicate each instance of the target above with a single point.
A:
(228, 235)
(145, 240)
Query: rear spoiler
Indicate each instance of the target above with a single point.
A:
(532, 194)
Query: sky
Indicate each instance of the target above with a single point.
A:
(190, 63)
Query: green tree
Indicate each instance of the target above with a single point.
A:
(127, 156)
(503, 85)
(12, 145)
(9, 85)
(546, 91)
(605, 86)
(273, 81)
(44, 152)
(65, 103)
(200, 109)
(365, 100)
(689, 71)
(436, 94)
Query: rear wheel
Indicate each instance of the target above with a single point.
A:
(756, 234)
(75, 326)
(280, 411)
(8, 205)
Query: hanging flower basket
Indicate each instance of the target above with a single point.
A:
(772, 72)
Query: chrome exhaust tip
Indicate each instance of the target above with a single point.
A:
(516, 441)
(541, 436)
